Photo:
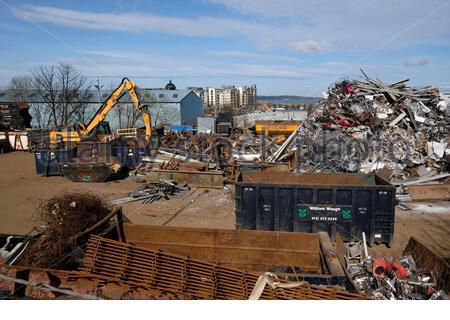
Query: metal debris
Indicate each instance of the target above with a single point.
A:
(167, 272)
(390, 279)
(152, 192)
(365, 126)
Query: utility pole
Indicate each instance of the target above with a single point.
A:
(98, 87)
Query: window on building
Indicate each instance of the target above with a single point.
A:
(161, 95)
(175, 95)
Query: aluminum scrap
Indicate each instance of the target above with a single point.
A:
(392, 279)
(367, 125)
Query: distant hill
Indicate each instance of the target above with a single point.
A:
(287, 99)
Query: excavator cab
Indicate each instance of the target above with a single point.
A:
(102, 128)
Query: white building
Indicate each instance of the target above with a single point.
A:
(227, 96)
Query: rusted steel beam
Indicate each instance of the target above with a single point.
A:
(210, 179)
(331, 258)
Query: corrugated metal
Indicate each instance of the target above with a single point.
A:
(206, 124)
(248, 120)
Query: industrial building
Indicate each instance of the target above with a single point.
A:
(167, 105)
(174, 106)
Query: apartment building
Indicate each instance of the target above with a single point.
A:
(227, 96)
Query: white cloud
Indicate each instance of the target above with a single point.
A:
(417, 62)
(308, 46)
(110, 63)
(353, 25)
(277, 23)
(139, 23)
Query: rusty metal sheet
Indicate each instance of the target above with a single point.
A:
(77, 282)
(288, 178)
(139, 266)
(430, 192)
(210, 179)
(425, 257)
(244, 249)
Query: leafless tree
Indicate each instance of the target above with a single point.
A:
(162, 115)
(131, 115)
(64, 91)
(126, 112)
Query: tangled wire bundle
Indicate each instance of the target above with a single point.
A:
(58, 220)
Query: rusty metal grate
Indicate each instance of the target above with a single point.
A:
(142, 267)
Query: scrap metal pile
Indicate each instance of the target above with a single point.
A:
(215, 148)
(191, 277)
(369, 125)
(14, 117)
(180, 151)
(117, 270)
(390, 279)
(198, 147)
(152, 192)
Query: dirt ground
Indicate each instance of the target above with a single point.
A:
(21, 190)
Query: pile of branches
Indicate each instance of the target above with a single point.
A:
(60, 220)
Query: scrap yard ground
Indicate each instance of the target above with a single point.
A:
(22, 190)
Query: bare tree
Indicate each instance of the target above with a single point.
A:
(162, 115)
(119, 112)
(131, 114)
(126, 112)
(64, 91)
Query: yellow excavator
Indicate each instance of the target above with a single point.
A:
(97, 125)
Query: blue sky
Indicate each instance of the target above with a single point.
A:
(284, 46)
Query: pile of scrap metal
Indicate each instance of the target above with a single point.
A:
(152, 192)
(390, 279)
(202, 160)
(366, 126)
(118, 270)
(12, 246)
(14, 116)
(214, 148)
(175, 160)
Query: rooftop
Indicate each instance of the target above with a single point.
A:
(147, 95)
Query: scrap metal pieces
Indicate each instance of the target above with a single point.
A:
(426, 258)
(152, 192)
(388, 279)
(36, 283)
(375, 125)
(138, 266)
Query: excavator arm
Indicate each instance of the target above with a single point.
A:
(112, 101)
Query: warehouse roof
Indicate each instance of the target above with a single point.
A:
(146, 95)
